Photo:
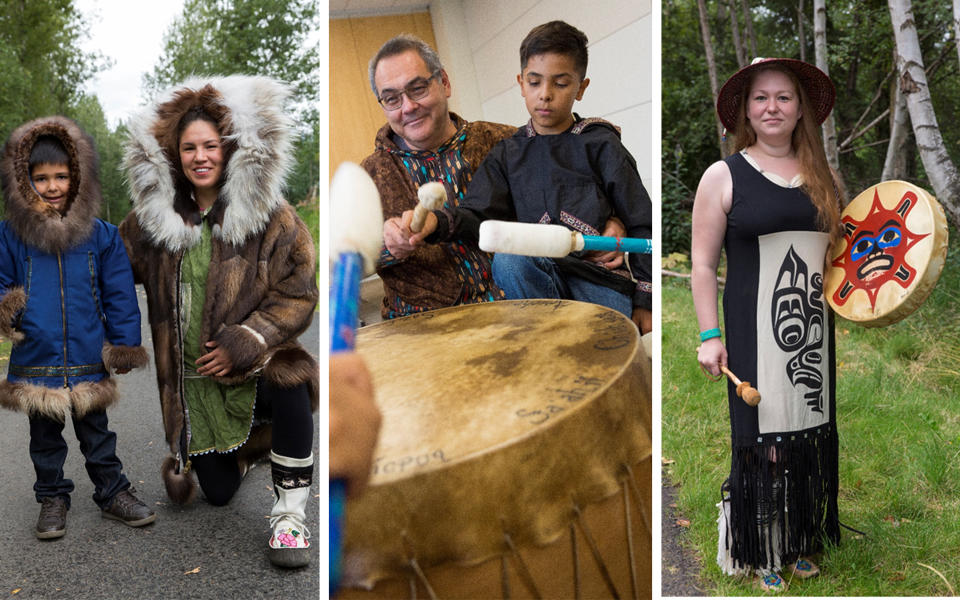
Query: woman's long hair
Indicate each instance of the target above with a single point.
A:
(819, 182)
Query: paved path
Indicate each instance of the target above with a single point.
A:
(196, 552)
(680, 568)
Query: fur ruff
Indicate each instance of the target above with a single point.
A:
(32, 219)
(56, 403)
(181, 486)
(12, 303)
(257, 134)
(292, 366)
(124, 357)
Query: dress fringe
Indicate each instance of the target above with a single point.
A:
(780, 502)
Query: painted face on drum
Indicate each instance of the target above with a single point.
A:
(773, 106)
(876, 249)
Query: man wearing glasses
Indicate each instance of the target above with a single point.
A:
(423, 141)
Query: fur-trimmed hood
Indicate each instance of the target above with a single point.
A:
(33, 220)
(256, 132)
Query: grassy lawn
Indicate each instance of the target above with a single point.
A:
(898, 414)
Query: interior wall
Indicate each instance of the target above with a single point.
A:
(487, 47)
(479, 45)
(355, 115)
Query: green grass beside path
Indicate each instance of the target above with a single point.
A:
(898, 415)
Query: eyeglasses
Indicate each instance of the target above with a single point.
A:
(415, 90)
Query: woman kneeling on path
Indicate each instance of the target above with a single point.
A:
(230, 275)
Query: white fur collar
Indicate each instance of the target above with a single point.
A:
(255, 173)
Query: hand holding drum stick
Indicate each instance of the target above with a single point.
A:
(356, 222)
(432, 196)
(749, 393)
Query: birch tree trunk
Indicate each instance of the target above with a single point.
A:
(913, 83)
(956, 25)
(800, 34)
(820, 50)
(895, 164)
(735, 31)
(711, 69)
(751, 36)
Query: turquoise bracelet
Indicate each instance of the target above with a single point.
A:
(709, 334)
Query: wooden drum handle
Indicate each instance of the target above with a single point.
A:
(749, 393)
(419, 216)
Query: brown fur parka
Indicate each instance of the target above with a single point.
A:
(262, 277)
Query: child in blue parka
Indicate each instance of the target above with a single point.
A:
(68, 304)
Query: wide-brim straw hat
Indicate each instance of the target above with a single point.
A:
(820, 90)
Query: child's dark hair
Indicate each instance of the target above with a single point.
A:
(48, 150)
(559, 38)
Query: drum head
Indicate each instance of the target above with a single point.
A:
(893, 249)
(496, 417)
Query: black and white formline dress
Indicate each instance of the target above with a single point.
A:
(780, 501)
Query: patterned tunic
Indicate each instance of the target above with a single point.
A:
(446, 274)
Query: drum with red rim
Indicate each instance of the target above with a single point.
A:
(893, 249)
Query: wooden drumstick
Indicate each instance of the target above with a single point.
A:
(749, 393)
(432, 196)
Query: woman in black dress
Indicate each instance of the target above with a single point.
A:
(773, 207)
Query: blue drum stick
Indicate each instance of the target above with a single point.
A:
(356, 223)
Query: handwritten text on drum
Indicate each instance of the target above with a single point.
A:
(582, 387)
(399, 465)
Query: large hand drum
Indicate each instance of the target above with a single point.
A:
(514, 458)
(894, 245)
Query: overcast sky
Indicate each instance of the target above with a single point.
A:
(130, 33)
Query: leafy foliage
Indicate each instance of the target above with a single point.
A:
(860, 45)
(252, 37)
(42, 72)
(42, 67)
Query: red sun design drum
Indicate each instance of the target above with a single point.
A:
(514, 457)
(893, 249)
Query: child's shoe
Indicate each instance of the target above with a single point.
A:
(127, 509)
(773, 583)
(53, 518)
(289, 545)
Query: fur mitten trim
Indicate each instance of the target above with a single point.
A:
(124, 357)
(242, 345)
(12, 303)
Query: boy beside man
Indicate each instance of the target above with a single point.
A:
(560, 169)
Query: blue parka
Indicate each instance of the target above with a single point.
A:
(67, 297)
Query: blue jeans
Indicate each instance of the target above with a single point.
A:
(48, 451)
(522, 277)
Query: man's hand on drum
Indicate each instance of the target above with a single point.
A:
(712, 354)
(354, 421)
(612, 259)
